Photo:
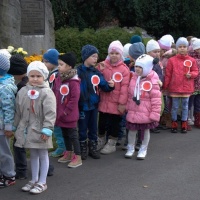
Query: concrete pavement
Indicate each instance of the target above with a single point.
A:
(171, 171)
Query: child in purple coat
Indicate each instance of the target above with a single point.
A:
(67, 91)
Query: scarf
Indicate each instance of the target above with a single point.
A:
(68, 75)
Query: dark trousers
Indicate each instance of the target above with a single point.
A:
(111, 120)
(197, 103)
(87, 125)
(70, 136)
(20, 160)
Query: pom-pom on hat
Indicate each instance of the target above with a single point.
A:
(146, 62)
(87, 51)
(4, 64)
(181, 41)
(196, 44)
(116, 46)
(136, 50)
(68, 58)
(51, 56)
(18, 65)
(135, 39)
(38, 66)
(126, 50)
(152, 45)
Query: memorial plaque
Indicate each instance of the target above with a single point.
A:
(32, 17)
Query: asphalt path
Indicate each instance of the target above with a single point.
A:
(171, 171)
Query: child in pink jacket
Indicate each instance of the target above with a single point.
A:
(144, 105)
(112, 104)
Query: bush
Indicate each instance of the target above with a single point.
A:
(71, 39)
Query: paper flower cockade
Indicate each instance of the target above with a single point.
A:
(33, 94)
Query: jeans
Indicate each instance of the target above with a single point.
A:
(87, 125)
(184, 108)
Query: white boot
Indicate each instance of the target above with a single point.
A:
(110, 147)
(130, 152)
(142, 152)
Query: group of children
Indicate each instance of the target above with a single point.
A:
(84, 106)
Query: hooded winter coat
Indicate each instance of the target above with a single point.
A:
(150, 101)
(29, 125)
(67, 106)
(109, 101)
(175, 77)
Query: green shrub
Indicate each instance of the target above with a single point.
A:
(71, 39)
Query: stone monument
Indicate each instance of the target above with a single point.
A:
(28, 24)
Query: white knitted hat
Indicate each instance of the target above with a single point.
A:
(196, 44)
(38, 66)
(5, 52)
(152, 45)
(126, 50)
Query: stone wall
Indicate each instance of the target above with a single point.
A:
(10, 25)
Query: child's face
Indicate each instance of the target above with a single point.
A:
(138, 70)
(182, 49)
(63, 67)
(49, 66)
(155, 53)
(114, 56)
(35, 78)
(162, 51)
(92, 60)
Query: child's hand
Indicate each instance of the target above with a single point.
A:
(44, 137)
(8, 133)
(111, 83)
(121, 108)
(188, 75)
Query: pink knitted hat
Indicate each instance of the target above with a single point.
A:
(165, 42)
(116, 46)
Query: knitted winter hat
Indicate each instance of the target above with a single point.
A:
(87, 51)
(5, 52)
(116, 46)
(18, 66)
(192, 40)
(165, 42)
(135, 39)
(169, 37)
(146, 62)
(196, 44)
(68, 58)
(126, 50)
(51, 56)
(4, 64)
(152, 45)
(38, 66)
(136, 50)
(181, 41)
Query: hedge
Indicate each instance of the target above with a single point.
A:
(72, 40)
